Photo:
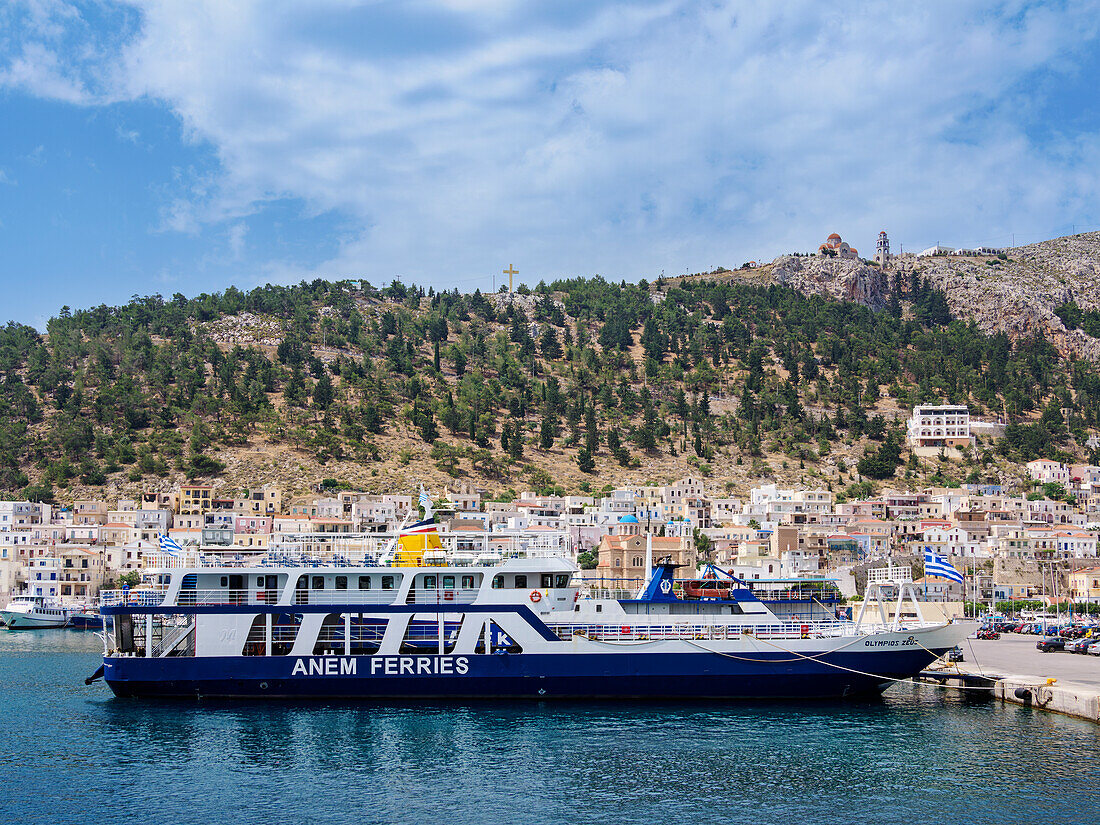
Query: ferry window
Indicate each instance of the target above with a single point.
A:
(364, 582)
(259, 581)
(303, 583)
(467, 582)
(448, 582)
(547, 580)
(341, 582)
(387, 582)
(498, 582)
(561, 580)
(225, 581)
(318, 582)
(521, 581)
(429, 582)
(599, 608)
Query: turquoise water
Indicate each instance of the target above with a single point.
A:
(72, 754)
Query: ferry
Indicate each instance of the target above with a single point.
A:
(509, 628)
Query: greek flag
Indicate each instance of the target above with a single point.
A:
(425, 500)
(169, 546)
(937, 565)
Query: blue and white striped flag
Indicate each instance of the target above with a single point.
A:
(169, 546)
(425, 500)
(937, 565)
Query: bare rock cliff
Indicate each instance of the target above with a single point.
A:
(842, 280)
(1017, 296)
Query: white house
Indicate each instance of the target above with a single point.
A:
(1046, 471)
(939, 425)
(1077, 545)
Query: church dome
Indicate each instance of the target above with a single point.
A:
(834, 237)
(627, 520)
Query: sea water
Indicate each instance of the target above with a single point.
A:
(73, 754)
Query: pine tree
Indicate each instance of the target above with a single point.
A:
(548, 343)
(585, 461)
(591, 433)
(515, 442)
(546, 433)
(295, 390)
(647, 433)
(323, 392)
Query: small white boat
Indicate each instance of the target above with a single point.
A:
(29, 612)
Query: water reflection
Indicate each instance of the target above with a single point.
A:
(916, 754)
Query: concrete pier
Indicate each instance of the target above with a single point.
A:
(1018, 673)
(1070, 698)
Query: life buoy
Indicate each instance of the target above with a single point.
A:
(625, 628)
(536, 596)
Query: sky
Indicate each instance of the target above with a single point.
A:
(154, 146)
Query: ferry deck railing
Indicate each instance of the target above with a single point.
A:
(612, 588)
(709, 631)
(192, 598)
(340, 550)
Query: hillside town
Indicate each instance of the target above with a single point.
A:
(1038, 543)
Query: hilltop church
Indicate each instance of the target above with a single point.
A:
(834, 246)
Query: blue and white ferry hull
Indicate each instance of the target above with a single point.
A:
(658, 670)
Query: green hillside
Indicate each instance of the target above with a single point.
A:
(571, 384)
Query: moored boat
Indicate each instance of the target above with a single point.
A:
(515, 628)
(85, 619)
(27, 612)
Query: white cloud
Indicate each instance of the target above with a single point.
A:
(236, 239)
(623, 138)
(38, 71)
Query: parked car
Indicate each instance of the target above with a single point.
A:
(1049, 643)
(955, 654)
(1082, 645)
(988, 634)
(1094, 649)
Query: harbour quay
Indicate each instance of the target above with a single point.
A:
(1015, 671)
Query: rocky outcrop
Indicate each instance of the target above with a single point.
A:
(836, 278)
(1016, 296)
(245, 329)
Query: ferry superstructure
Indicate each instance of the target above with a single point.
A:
(515, 628)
